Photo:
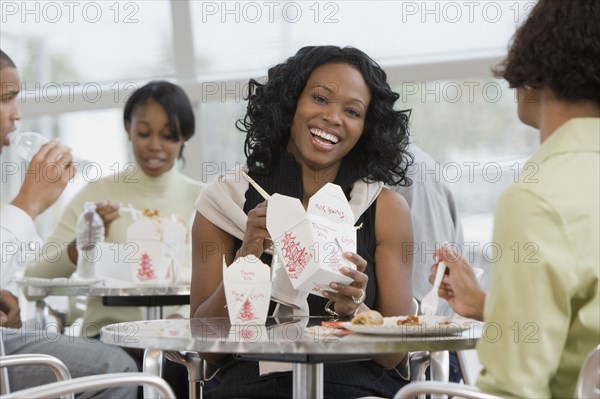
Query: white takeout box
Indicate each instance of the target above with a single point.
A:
(247, 283)
(311, 243)
(155, 248)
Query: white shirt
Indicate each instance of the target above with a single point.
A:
(20, 242)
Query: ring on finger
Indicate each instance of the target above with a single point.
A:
(361, 298)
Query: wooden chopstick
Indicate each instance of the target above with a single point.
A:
(256, 186)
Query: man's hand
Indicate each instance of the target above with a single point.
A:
(10, 313)
(459, 285)
(47, 175)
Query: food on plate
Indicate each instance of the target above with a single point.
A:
(368, 318)
(409, 321)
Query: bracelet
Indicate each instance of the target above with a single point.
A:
(329, 310)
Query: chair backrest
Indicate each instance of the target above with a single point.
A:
(414, 309)
(470, 367)
(451, 389)
(94, 383)
(589, 376)
(4, 386)
(56, 365)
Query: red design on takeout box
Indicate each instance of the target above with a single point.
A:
(247, 283)
(296, 257)
(311, 243)
(146, 269)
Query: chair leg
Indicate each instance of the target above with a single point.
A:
(153, 364)
(419, 361)
(440, 368)
(194, 365)
(4, 384)
(195, 369)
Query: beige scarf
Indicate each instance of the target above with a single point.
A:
(222, 203)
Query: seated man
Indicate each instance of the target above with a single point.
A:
(544, 303)
(82, 357)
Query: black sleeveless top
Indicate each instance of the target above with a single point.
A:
(286, 180)
(342, 380)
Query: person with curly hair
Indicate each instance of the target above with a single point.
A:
(325, 115)
(544, 296)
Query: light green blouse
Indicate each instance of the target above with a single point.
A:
(543, 309)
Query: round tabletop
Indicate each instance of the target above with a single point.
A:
(291, 336)
(65, 287)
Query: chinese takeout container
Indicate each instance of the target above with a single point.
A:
(247, 283)
(311, 243)
(156, 247)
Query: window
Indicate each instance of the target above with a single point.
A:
(470, 127)
(242, 36)
(88, 41)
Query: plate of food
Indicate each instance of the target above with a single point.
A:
(371, 322)
(58, 282)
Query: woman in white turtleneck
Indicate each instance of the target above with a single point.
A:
(159, 119)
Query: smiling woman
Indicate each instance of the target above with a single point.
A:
(330, 116)
(325, 115)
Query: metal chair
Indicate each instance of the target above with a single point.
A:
(199, 371)
(421, 360)
(93, 383)
(4, 385)
(442, 388)
(418, 361)
(66, 386)
(469, 365)
(588, 382)
(56, 365)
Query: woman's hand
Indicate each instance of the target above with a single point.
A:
(256, 237)
(459, 285)
(109, 212)
(350, 297)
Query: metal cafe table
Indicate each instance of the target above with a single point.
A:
(283, 340)
(152, 297)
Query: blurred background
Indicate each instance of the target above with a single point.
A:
(80, 60)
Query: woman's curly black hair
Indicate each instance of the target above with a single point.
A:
(556, 48)
(381, 152)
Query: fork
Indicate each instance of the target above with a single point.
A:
(429, 304)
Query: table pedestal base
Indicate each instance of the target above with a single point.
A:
(307, 380)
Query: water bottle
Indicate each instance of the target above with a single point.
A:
(29, 143)
(90, 232)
